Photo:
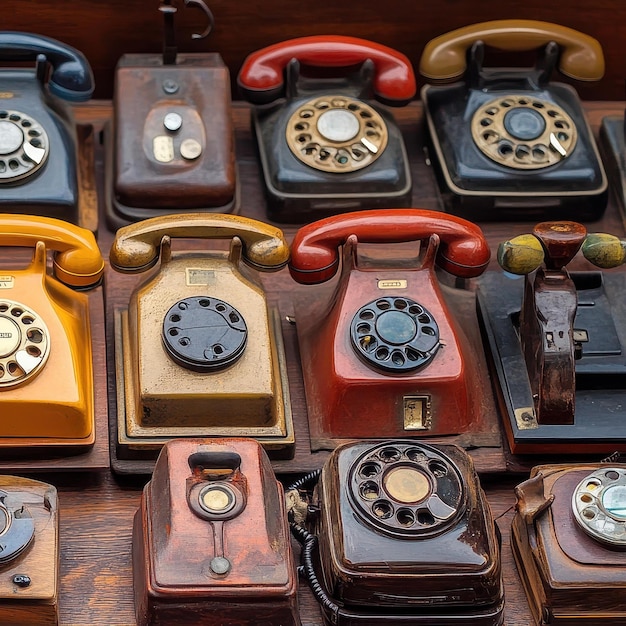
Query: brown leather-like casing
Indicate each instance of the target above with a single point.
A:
(173, 547)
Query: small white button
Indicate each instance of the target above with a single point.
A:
(172, 121)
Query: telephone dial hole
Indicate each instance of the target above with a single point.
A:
(491, 111)
(363, 328)
(365, 114)
(369, 469)
(175, 318)
(204, 302)
(233, 317)
(35, 335)
(14, 118)
(14, 164)
(1, 371)
(400, 304)
(302, 126)
(539, 152)
(4, 308)
(612, 475)
(382, 353)
(16, 312)
(589, 513)
(306, 113)
(303, 138)
(586, 498)
(425, 517)
(368, 343)
(486, 122)
(184, 341)
(27, 124)
(522, 152)
(417, 456)
(220, 307)
(553, 113)
(173, 332)
(438, 468)
(538, 105)
(33, 351)
(592, 486)
(389, 454)
(562, 136)
(506, 104)
(561, 124)
(4, 114)
(505, 149)
(367, 315)
(405, 517)
(373, 134)
(415, 310)
(369, 491)
(322, 105)
(491, 136)
(3, 167)
(36, 143)
(311, 149)
(15, 369)
(357, 153)
(382, 509)
(383, 305)
(412, 355)
(398, 358)
(340, 103)
(522, 101)
(324, 154)
(218, 349)
(182, 306)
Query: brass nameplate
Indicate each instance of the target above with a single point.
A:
(7, 282)
(392, 284)
(526, 419)
(197, 276)
(163, 148)
(417, 413)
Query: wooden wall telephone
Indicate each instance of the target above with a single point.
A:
(405, 536)
(29, 559)
(198, 351)
(46, 369)
(555, 339)
(211, 538)
(38, 141)
(382, 355)
(325, 148)
(172, 143)
(509, 144)
(568, 540)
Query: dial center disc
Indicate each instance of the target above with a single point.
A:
(614, 501)
(524, 124)
(396, 327)
(217, 500)
(10, 336)
(11, 137)
(338, 125)
(407, 484)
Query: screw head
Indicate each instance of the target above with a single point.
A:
(21, 580)
(170, 86)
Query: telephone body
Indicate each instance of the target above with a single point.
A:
(46, 369)
(568, 543)
(613, 148)
(507, 143)
(556, 340)
(198, 351)
(383, 356)
(38, 139)
(171, 148)
(211, 538)
(325, 146)
(405, 536)
(29, 526)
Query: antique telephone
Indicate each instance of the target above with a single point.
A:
(569, 538)
(211, 538)
(29, 558)
(401, 533)
(198, 351)
(556, 341)
(508, 143)
(39, 171)
(46, 370)
(382, 354)
(613, 147)
(325, 147)
(171, 148)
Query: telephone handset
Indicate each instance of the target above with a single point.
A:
(171, 148)
(212, 526)
(510, 144)
(325, 147)
(568, 542)
(38, 142)
(555, 340)
(384, 356)
(46, 368)
(387, 513)
(199, 353)
(29, 560)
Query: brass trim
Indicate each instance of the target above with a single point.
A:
(525, 418)
(417, 413)
(390, 283)
(7, 282)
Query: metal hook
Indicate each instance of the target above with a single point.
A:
(169, 39)
(199, 4)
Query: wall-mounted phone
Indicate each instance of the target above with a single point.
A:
(39, 171)
(171, 148)
(383, 356)
(568, 540)
(29, 559)
(325, 146)
(211, 538)
(405, 536)
(556, 339)
(46, 370)
(199, 352)
(508, 143)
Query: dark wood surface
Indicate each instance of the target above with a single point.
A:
(96, 512)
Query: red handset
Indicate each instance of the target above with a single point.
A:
(261, 76)
(463, 250)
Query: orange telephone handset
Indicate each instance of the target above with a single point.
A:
(463, 250)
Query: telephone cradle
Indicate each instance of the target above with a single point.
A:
(171, 130)
(556, 341)
(400, 532)
(506, 143)
(568, 543)
(39, 146)
(198, 352)
(211, 538)
(325, 146)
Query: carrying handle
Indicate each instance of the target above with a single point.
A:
(463, 250)
(444, 58)
(136, 247)
(261, 78)
(214, 460)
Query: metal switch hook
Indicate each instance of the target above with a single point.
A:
(199, 4)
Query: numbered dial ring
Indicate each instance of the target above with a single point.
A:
(406, 489)
(204, 334)
(523, 133)
(599, 505)
(24, 343)
(395, 334)
(336, 134)
(24, 146)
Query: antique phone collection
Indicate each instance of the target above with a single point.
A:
(198, 351)
(171, 148)
(39, 171)
(557, 341)
(508, 143)
(382, 354)
(29, 554)
(325, 146)
(568, 538)
(46, 369)
(211, 538)
(401, 534)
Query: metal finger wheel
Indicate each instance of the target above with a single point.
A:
(24, 146)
